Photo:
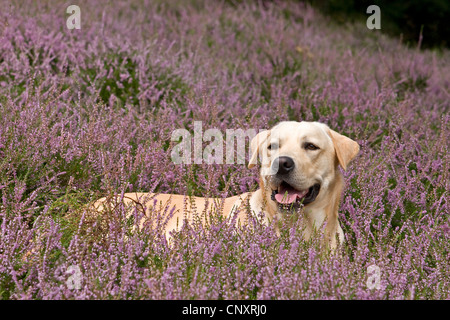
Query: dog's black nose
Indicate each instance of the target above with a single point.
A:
(285, 165)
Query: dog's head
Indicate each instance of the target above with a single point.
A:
(299, 161)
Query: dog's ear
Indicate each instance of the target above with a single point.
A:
(346, 148)
(255, 144)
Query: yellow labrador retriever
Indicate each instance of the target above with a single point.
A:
(299, 168)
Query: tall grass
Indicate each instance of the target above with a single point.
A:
(88, 113)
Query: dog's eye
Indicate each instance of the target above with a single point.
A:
(310, 146)
(272, 146)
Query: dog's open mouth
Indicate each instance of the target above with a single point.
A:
(289, 198)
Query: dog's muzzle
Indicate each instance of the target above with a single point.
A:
(287, 201)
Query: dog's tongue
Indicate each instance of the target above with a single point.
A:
(287, 194)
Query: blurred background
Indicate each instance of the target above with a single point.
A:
(399, 18)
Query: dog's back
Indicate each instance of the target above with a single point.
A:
(177, 208)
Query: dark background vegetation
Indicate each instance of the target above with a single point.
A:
(398, 18)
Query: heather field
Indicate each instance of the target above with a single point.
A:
(88, 113)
